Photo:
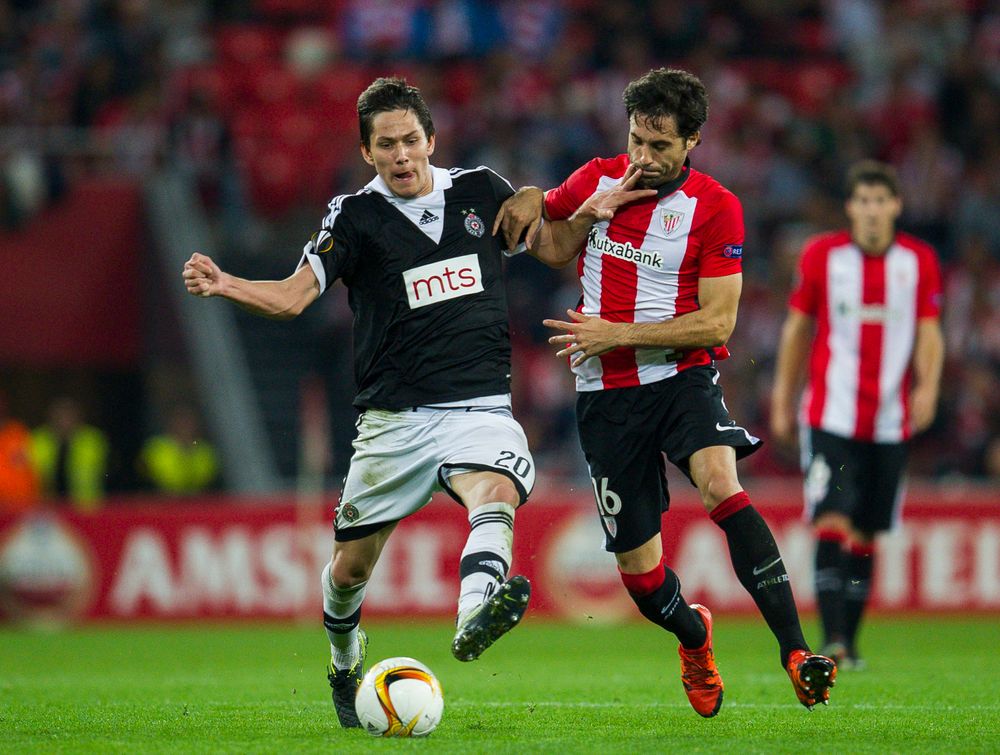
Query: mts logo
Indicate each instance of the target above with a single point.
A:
(440, 281)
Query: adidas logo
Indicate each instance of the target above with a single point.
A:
(428, 217)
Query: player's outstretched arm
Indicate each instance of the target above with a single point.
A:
(560, 241)
(279, 300)
(793, 351)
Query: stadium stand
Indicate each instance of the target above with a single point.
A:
(798, 90)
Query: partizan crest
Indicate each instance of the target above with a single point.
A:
(350, 512)
(672, 221)
(473, 223)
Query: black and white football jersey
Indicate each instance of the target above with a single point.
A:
(424, 280)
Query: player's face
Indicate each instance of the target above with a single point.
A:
(658, 152)
(872, 210)
(399, 150)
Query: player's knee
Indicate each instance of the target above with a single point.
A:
(645, 558)
(717, 487)
(350, 572)
(832, 522)
(497, 489)
(634, 563)
(713, 471)
(505, 492)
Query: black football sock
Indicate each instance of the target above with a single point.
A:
(657, 593)
(829, 576)
(759, 568)
(858, 568)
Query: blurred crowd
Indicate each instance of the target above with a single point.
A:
(68, 461)
(253, 99)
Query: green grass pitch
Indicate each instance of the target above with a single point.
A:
(932, 686)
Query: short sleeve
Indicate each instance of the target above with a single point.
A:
(502, 188)
(929, 288)
(563, 201)
(722, 242)
(331, 251)
(806, 293)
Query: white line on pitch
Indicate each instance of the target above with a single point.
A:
(585, 704)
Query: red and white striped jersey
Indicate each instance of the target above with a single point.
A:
(644, 264)
(866, 309)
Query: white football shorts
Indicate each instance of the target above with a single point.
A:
(403, 457)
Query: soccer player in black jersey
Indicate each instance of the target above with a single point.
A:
(432, 366)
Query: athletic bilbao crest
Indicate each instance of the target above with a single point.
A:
(473, 223)
(611, 525)
(672, 221)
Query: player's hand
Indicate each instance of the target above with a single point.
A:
(602, 205)
(202, 276)
(520, 212)
(923, 407)
(783, 425)
(584, 336)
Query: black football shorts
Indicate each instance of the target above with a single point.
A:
(862, 480)
(625, 433)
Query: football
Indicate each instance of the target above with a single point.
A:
(399, 697)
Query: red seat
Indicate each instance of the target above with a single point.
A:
(271, 83)
(206, 80)
(318, 170)
(812, 84)
(248, 123)
(244, 43)
(813, 36)
(341, 84)
(462, 83)
(273, 180)
(294, 127)
(298, 10)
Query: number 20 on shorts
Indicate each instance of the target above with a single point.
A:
(516, 464)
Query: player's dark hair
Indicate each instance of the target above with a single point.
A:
(665, 92)
(871, 172)
(386, 94)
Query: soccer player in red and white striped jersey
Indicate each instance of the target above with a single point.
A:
(864, 315)
(661, 279)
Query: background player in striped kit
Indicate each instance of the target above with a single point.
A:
(864, 315)
(661, 282)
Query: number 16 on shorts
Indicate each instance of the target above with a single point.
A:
(609, 503)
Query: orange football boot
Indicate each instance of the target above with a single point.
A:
(699, 673)
(812, 676)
